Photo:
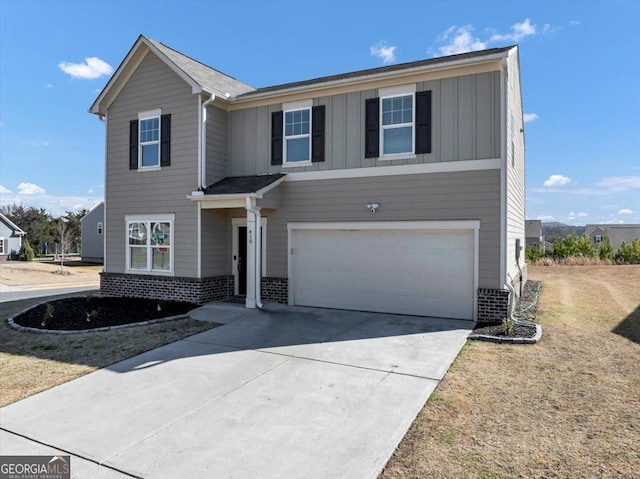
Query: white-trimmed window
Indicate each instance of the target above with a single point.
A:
(3, 246)
(297, 133)
(149, 139)
(397, 120)
(597, 239)
(100, 227)
(150, 243)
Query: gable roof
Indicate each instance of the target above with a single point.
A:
(201, 78)
(429, 63)
(12, 225)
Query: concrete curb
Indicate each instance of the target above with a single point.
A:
(506, 339)
(46, 286)
(82, 331)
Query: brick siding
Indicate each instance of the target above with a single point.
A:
(493, 304)
(275, 289)
(169, 288)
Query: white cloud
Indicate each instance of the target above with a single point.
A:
(573, 215)
(4, 190)
(620, 183)
(462, 41)
(545, 217)
(91, 69)
(557, 180)
(518, 32)
(529, 117)
(90, 191)
(30, 189)
(625, 211)
(49, 85)
(386, 53)
(574, 22)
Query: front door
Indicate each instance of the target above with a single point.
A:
(242, 257)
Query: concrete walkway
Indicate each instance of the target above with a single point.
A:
(282, 393)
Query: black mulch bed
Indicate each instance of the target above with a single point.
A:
(95, 312)
(525, 309)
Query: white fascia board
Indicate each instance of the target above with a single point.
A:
(422, 168)
(444, 225)
(260, 193)
(125, 70)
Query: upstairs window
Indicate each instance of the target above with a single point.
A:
(149, 141)
(297, 136)
(396, 125)
(149, 145)
(100, 227)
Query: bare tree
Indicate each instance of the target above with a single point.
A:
(64, 236)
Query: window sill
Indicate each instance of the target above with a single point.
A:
(149, 168)
(149, 273)
(297, 164)
(402, 156)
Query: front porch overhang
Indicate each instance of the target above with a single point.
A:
(233, 191)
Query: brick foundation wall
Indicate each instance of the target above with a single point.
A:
(493, 304)
(275, 289)
(169, 288)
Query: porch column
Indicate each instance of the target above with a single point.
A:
(250, 263)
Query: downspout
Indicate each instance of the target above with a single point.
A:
(257, 245)
(103, 119)
(203, 144)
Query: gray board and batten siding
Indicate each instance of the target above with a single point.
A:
(465, 126)
(153, 85)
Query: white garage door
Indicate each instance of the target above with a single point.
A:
(419, 272)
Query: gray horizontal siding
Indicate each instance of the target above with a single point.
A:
(471, 195)
(466, 125)
(153, 85)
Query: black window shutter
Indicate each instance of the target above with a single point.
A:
(165, 140)
(372, 128)
(133, 145)
(276, 137)
(423, 122)
(317, 133)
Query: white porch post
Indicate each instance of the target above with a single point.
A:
(250, 262)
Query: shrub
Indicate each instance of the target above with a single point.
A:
(26, 251)
(605, 250)
(533, 253)
(629, 253)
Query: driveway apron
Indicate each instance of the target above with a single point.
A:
(286, 392)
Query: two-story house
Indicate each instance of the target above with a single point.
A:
(397, 189)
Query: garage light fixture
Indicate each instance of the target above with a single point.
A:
(373, 207)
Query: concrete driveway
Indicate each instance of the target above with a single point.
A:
(282, 393)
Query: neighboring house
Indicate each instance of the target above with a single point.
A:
(533, 233)
(397, 189)
(10, 239)
(92, 226)
(617, 234)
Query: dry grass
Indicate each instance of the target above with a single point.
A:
(566, 407)
(33, 362)
(23, 273)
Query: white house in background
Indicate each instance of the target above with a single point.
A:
(92, 226)
(10, 238)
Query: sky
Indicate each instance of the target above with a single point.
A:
(580, 75)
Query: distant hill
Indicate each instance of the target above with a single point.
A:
(554, 230)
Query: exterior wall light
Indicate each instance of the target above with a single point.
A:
(373, 207)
